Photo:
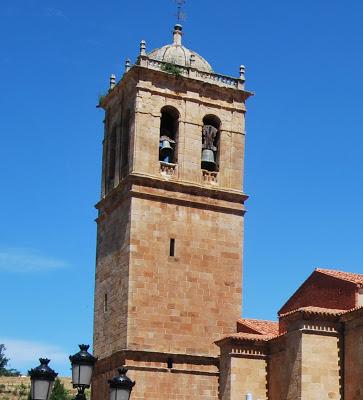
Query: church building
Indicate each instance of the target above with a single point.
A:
(168, 292)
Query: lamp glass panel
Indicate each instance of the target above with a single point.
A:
(85, 375)
(75, 374)
(113, 393)
(40, 389)
(122, 394)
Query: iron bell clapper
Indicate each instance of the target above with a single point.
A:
(208, 162)
(165, 150)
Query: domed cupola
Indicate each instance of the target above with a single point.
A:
(176, 53)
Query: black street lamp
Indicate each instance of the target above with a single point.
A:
(42, 380)
(121, 386)
(82, 368)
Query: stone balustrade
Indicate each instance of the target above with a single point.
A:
(209, 177)
(211, 77)
(167, 169)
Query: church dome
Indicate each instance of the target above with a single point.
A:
(176, 53)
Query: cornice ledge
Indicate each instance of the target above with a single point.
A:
(189, 187)
(116, 359)
(145, 185)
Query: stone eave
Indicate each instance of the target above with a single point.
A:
(187, 193)
(136, 68)
(312, 315)
(246, 339)
(244, 347)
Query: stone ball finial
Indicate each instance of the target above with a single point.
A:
(127, 65)
(142, 48)
(242, 70)
(112, 81)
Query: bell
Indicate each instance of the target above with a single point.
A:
(165, 145)
(208, 162)
(165, 150)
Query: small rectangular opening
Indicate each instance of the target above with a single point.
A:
(105, 304)
(172, 248)
(170, 362)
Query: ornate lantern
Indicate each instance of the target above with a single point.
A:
(121, 386)
(42, 380)
(82, 368)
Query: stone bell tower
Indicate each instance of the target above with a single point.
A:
(170, 223)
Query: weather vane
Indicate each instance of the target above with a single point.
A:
(180, 15)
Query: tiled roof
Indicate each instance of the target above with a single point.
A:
(345, 276)
(315, 311)
(249, 337)
(261, 327)
(352, 312)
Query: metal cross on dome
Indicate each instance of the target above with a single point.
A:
(180, 15)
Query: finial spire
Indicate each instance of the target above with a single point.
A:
(177, 34)
(127, 65)
(242, 71)
(180, 15)
(142, 48)
(112, 81)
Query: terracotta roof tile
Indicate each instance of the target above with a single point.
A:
(261, 327)
(249, 337)
(345, 276)
(315, 311)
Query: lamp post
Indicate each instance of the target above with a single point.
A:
(82, 368)
(42, 380)
(121, 386)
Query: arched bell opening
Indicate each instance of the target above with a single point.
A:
(110, 178)
(168, 141)
(125, 143)
(210, 143)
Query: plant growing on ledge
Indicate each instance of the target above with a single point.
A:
(171, 69)
(101, 98)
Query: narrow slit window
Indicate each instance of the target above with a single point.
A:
(169, 362)
(172, 248)
(105, 303)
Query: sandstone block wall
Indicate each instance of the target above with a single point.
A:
(248, 375)
(225, 374)
(353, 359)
(284, 367)
(112, 271)
(243, 370)
(320, 377)
(183, 303)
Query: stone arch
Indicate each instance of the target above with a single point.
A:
(169, 132)
(210, 143)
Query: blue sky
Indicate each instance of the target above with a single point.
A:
(303, 156)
